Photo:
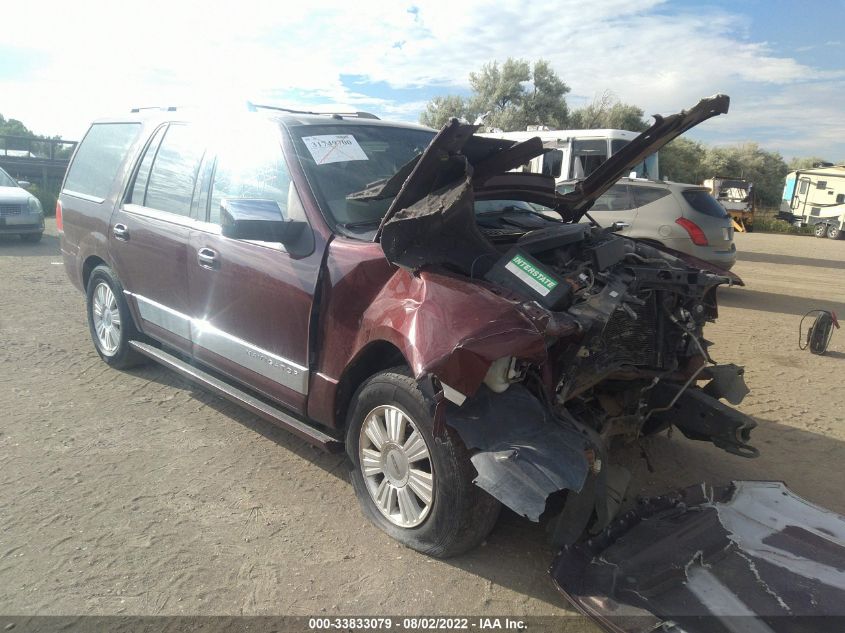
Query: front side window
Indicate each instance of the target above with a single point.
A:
(587, 155)
(6, 180)
(343, 159)
(250, 165)
(99, 158)
(174, 171)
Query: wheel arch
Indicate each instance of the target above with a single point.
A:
(88, 266)
(376, 356)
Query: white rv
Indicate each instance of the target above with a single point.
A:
(816, 197)
(576, 153)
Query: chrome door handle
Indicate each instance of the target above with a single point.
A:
(120, 232)
(207, 258)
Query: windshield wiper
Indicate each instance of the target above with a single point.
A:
(513, 209)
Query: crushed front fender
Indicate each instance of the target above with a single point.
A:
(521, 454)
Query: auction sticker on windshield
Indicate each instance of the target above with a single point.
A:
(334, 148)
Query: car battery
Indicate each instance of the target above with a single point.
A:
(520, 272)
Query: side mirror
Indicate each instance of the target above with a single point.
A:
(262, 220)
(25, 184)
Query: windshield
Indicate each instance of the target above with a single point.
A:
(344, 159)
(6, 180)
(645, 169)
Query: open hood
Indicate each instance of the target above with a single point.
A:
(456, 154)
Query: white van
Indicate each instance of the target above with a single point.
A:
(577, 153)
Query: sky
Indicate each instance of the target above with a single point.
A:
(782, 63)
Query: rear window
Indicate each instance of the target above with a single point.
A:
(99, 157)
(703, 202)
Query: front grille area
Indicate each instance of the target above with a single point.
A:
(633, 341)
(7, 210)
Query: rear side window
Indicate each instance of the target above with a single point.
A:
(647, 195)
(139, 189)
(174, 171)
(614, 199)
(703, 202)
(98, 159)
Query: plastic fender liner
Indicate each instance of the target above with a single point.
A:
(522, 455)
(752, 557)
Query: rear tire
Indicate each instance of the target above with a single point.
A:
(389, 428)
(109, 320)
(834, 233)
(820, 230)
(31, 238)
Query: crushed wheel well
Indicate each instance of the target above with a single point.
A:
(376, 357)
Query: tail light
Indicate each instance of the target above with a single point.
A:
(59, 223)
(696, 234)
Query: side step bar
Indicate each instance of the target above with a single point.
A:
(247, 401)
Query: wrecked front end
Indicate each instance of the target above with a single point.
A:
(601, 341)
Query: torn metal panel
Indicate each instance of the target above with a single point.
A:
(751, 557)
(455, 329)
(521, 454)
(700, 416)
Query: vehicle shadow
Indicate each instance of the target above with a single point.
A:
(791, 260)
(12, 245)
(334, 464)
(748, 299)
(517, 555)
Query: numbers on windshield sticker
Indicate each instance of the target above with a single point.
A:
(334, 148)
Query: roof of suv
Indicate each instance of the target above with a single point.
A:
(287, 118)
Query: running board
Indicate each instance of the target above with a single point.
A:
(247, 401)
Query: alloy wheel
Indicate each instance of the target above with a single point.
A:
(106, 318)
(396, 465)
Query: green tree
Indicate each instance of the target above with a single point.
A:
(681, 161)
(805, 162)
(608, 112)
(749, 161)
(439, 110)
(508, 97)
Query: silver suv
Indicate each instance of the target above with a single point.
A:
(20, 211)
(685, 218)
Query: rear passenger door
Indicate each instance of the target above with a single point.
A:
(251, 301)
(615, 205)
(149, 234)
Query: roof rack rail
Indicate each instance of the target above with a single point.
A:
(159, 108)
(252, 107)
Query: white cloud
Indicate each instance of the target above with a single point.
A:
(102, 58)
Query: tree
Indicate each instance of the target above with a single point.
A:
(508, 97)
(681, 161)
(749, 161)
(607, 111)
(805, 162)
(439, 110)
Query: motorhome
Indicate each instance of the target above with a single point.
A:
(816, 197)
(576, 153)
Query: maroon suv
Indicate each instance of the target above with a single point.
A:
(413, 296)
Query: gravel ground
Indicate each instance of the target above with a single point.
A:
(137, 493)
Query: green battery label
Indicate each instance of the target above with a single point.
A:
(532, 276)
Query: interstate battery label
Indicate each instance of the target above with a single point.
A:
(530, 275)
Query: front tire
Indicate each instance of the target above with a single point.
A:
(820, 230)
(834, 233)
(110, 321)
(414, 487)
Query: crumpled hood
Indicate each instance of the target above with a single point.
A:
(432, 219)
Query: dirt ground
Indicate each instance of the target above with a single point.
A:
(138, 493)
